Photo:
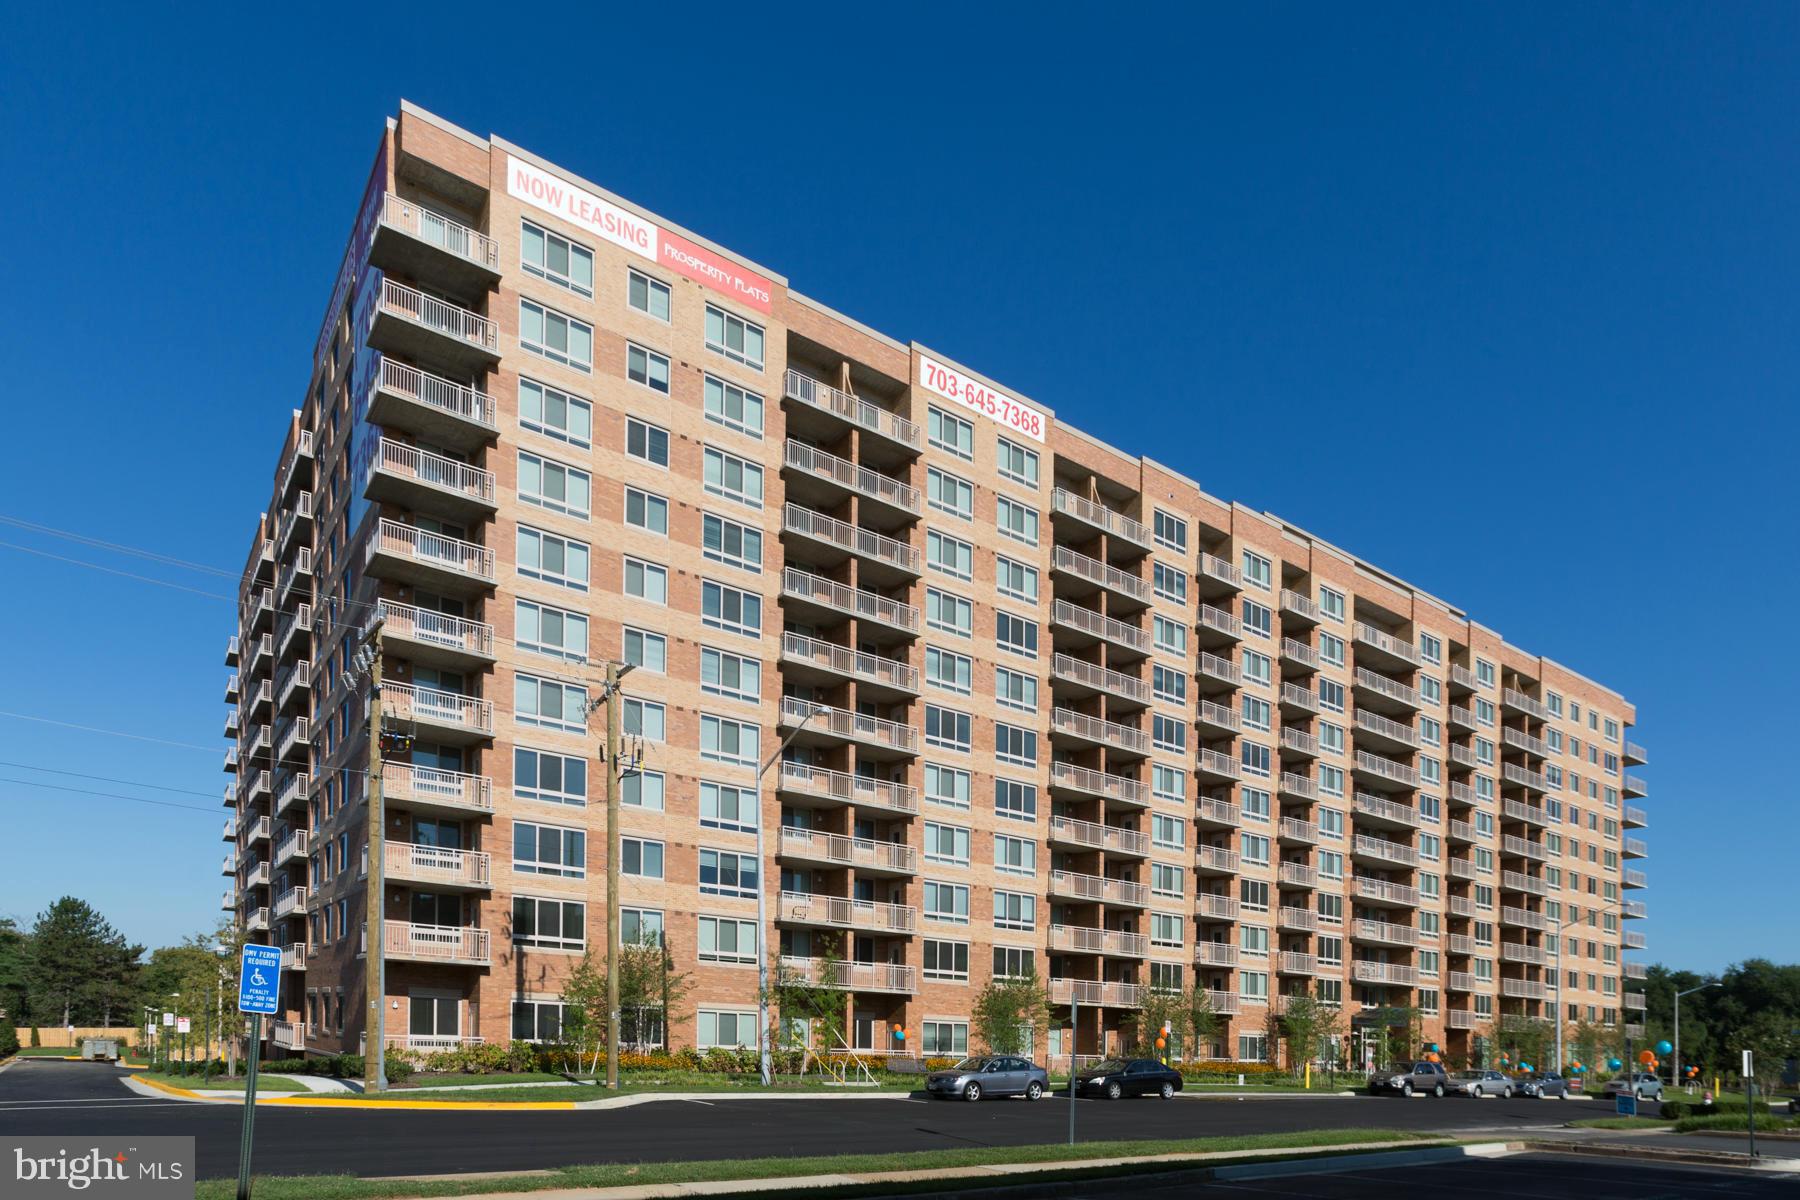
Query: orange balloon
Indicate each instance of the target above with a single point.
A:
(1160, 1043)
(1431, 1058)
(1646, 1056)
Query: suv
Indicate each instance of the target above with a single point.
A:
(1409, 1077)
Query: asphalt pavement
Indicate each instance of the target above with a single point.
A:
(62, 1097)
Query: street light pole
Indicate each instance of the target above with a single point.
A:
(610, 695)
(1675, 1077)
(762, 911)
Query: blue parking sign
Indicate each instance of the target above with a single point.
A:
(259, 980)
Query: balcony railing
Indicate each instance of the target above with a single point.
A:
(1116, 683)
(1374, 764)
(1208, 953)
(1218, 812)
(850, 408)
(1521, 952)
(1220, 716)
(1212, 666)
(1370, 805)
(1098, 783)
(1218, 764)
(1387, 643)
(1072, 562)
(1531, 814)
(1518, 847)
(1634, 848)
(1094, 729)
(1385, 851)
(1221, 622)
(1382, 890)
(853, 976)
(854, 477)
(1514, 773)
(1293, 962)
(1304, 920)
(1106, 628)
(404, 461)
(854, 602)
(475, 638)
(1364, 971)
(436, 943)
(1100, 517)
(1524, 989)
(454, 399)
(1524, 918)
(842, 660)
(1381, 685)
(1513, 698)
(440, 315)
(1518, 881)
(289, 902)
(404, 702)
(1292, 829)
(1295, 696)
(1294, 874)
(1293, 650)
(433, 549)
(1462, 677)
(853, 539)
(1635, 818)
(841, 912)
(403, 782)
(1386, 933)
(1634, 879)
(1098, 888)
(1216, 907)
(847, 788)
(1298, 785)
(845, 851)
(1083, 939)
(1463, 718)
(1221, 571)
(1635, 755)
(428, 226)
(1097, 836)
(1095, 992)
(1216, 858)
(1634, 787)
(854, 726)
(1394, 731)
(1518, 739)
(1300, 606)
(414, 863)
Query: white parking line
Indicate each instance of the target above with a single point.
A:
(51, 1106)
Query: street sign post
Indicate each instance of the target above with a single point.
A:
(1750, 1097)
(259, 994)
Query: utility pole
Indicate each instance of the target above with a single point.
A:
(375, 956)
(1675, 1074)
(613, 863)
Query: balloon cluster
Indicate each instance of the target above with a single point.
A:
(899, 1034)
(1693, 1072)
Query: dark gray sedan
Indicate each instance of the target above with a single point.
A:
(983, 1075)
(1544, 1085)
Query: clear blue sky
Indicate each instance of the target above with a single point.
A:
(1533, 266)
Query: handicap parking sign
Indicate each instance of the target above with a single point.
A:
(259, 980)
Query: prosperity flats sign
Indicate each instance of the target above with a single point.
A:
(140, 1168)
(608, 222)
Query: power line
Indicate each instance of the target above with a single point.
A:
(180, 587)
(112, 732)
(107, 779)
(110, 795)
(115, 547)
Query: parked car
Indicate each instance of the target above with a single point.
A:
(1644, 1085)
(1482, 1083)
(984, 1075)
(1118, 1077)
(1544, 1085)
(1409, 1077)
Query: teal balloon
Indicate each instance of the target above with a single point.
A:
(1663, 1047)
(1614, 1063)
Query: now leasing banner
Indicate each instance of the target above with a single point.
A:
(608, 222)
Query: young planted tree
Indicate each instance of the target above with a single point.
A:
(1008, 1010)
(1161, 1008)
(648, 983)
(1203, 1022)
(810, 1008)
(1307, 1022)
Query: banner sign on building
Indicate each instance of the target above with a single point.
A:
(1009, 413)
(608, 222)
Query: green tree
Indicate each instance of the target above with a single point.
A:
(811, 1009)
(1160, 1008)
(648, 983)
(14, 1003)
(1202, 1020)
(1307, 1022)
(585, 1012)
(1007, 1012)
(80, 969)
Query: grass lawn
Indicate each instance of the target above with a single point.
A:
(1737, 1122)
(46, 1051)
(1621, 1123)
(463, 1081)
(344, 1187)
(264, 1083)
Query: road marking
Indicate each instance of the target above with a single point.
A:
(52, 1100)
(691, 1100)
(146, 1103)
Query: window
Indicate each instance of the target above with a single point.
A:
(1431, 689)
(1331, 649)
(647, 367)
(947, 728)
(1168, 684)
(1169, 583)
(1431, 732)
(729, 1030)
(645, 649)
(729, 405)
(547, 703)
(1256, 713)
(731, 675)
(731, 609)
(553, 631)
(1167, 783)
(649, 296)
(557, 259)
(1168, 733)
(643, 510)
(1484, 673)
(723, 873)
(1254, 987)
(1331, 780)
(947, 786)
(734, 478)
(1165, 930)
(537, 1021)
(554, 413)
(1331, 823)
(944, 1039)
(723, 806)
(1258, 571)
(950, 433)
(1165, 879)
(1012, 962)
(1015, 800)
(552, 335)
(549, 484)
(549, 850)
(1016, 520)
(644, 790)
(1331, 603)
(734, 337)
(947, 612)
(947, 902)
(948, 493)
(646, 441)
(537, 775)
(647, 580)
(1015, 579)
(1015, 634)
(1168, 832)
(1258, 618)
(1014, 856)
(1016, 463)
(1168, 636)
(638, 926)
(1253, 895)
(948, 670)
(1254, 939)
(1254, 848)
(946, 844)
(1014, 910)
(1254, 802)
(1170, 531)
(946, 960)
(1014, 689)
(553, 559)
(641, 857)
(1331, 695)
(724, 940)
(1257, 668)
(728, 542)
(1431, 648)
(554, 924)
(1331, 737)
(725, 740)
(952, 556)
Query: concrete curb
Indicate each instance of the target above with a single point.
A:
(317, 1100)
(1696, 1158)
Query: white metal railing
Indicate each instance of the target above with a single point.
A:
(1107, 628)
(1215, 906)
(1067, 666)
(256, 829)
(293, 956)
(1299, 741)
(1462, 755)
(439, 629)
(1381, 640)
(1303, 919)
(1514, 773)
(1300, 652)
(1210, 953)
(1101, 517)
(291, 901)
(855, 539)
(412, 462)
(1524, 989)
(1220, 812)
(1634, 785)
(405, 702)
(1462, 868)
(859, 664)
(1295, 963)
(1634, 847)
(1217, 762)
(853, 476)
(440, 315)
(1084, 939)
(853, 976)
(416, 863)
(407, 541)
(1523, 917)
(1520, 740)
(1462, 718)
(1094, 729)
(1304, 606)
(1635, 817)
(1299, 697)
(1104, 574)
(1462, 830)
(845, 913)
(1217, 568)
(1099, 888)
(1375, 723)
(1220, 716)
(409, 781)
(1381, 889)
(1115, 838)
(1298, 785)
(849, 851)
(1220, 621)
(1632, 940)
(1369, 930)
(1377, 806)
(1520, 952)
(1519, 847)
(1518, 881)
(848, 788)
(433, 391)
(1094, 991)
(440, 231)
(1097, 783)
(1463, 677)
(1514, 698)
(1374, 764)
(1632, 878)
(1384, 686)
(857, 602)
(1366, 971)
(428, 1043)
(256, 918)
(1221, 668)
(1293, 829)
(1215, 858)
(1296, 874)
(1635, 753)
(1381, 848)
(437, 943)
(845, 723)
(853, 409)
(291, 846)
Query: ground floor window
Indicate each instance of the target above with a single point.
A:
(1252, 1047)
(731, 1030)
(537, 1020)
(945, 1038)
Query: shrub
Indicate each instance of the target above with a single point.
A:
(288, 1066)
(36, 1038)
(1683, 1107)
(1736, 1122)
(9, 1040)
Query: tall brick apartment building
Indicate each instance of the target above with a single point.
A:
(1052, 706)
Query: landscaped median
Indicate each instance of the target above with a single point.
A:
(850, 1174)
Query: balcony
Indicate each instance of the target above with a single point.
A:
(448, 717)
(1302, 920)
(1217, 577)
(414, 556)
(293, 739)
(833, 849)
(1292, 962)
(1095, 992)
(1073, 618)
(1380, 850)
(1462, 945)
(1635, 818)
(1083, 939)
(1122, 739)
(299, 622)
(1462, 756)
(255, 786)
(412, 240)
(228, 864)
(1462, 1018)
(227, 902)
(1216, 627)
(1461, 832)
(1384, 894)
(1524, 989)
(1384, 733)
(1636, 1001)
(896, 978)
(1216, 766)
(1637, 970)
(1463, 718)
(1297, 745)
(1383, 813)
(1365, 971)
(1297, 609)
(229, 833)
(1531, 814)
(1513, 773)
(1209, 953)
(1219, 718)
(1087, 679)
(1634, 755)
(1633, 788)
(290, 847)
(293, 956)
(841, 912)
(436, 867)
(231, 654)
(1092, 835)
(1524, 918)
(1517, 701)
(880, 554)
(1464, 906)
(1380, 648)
(436, 792)
(1294, 830)
(290, 903)
(1075, 567)
(1211, 813)
(1518, 847)
(1463, 680)
(801, 781)
(1634, 879)
(1297, 875)
(436, 639)
(1218, 674)
(1067, 777)
(1518, 739)
(1464, 981)
(1384, 774)
(460, 944)
(1064, 503)
(297, 516)
(1517, 881)
(454, 415)
(1298, 657)
(1462, 868)
(816, 594)
(831, 725)
(257, 919)
(261, 649)
(1634, 848)
(408, 323)
(1212, 906)
(1384, 933)
(1378, 692)
(297, 571)
(416, 479)
(814, 658)
(852, 410)
(1632, 940)
(1298, 787)
(819, 477)
(1521, 952)
(1071, 885)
